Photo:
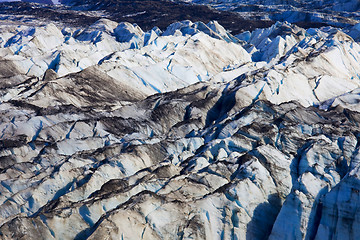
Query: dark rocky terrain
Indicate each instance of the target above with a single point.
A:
(147, 14)
(340, 13)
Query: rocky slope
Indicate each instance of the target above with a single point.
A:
(147, 14)
(110, 132)
(306, 12)
(235, 15)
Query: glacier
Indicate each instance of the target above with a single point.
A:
(190, 132)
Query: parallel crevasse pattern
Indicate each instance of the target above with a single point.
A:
(110, 132)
